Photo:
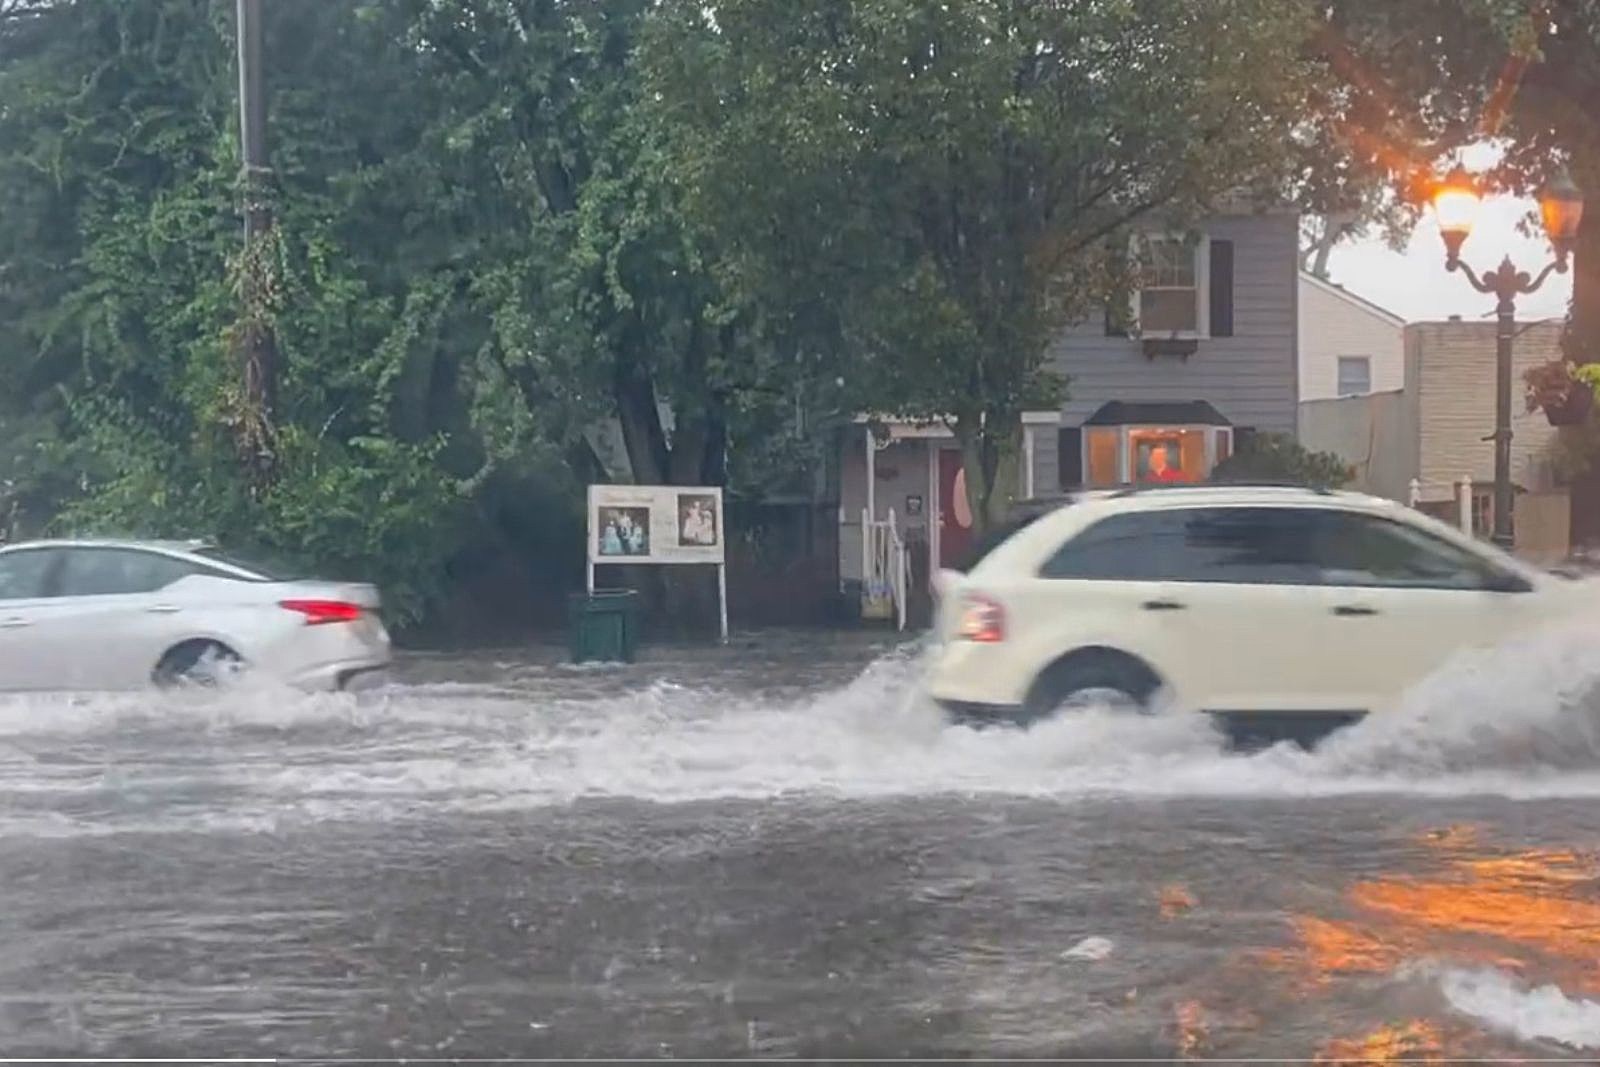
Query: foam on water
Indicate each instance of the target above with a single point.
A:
(1543, 1013)
(1519, 722)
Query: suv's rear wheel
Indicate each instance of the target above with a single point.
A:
(1096, 678)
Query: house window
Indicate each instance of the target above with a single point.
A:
(1355, 375)
(1166, 455)
(1170, 287)
(1149, 455)
(1102, 454)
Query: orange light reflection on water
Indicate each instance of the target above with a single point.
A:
(1415, 1042)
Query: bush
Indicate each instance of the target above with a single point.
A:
(1278, 457)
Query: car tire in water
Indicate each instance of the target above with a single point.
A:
(203, 664)
(1094, 678)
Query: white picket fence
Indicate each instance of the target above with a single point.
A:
(885, 569)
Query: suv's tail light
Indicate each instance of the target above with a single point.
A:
(318, 612)
(982, 619)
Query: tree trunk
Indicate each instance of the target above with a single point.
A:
(1581, 344)
(989, 459)
(695, 455)
(1582, 341)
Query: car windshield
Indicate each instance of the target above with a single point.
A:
(263, 565)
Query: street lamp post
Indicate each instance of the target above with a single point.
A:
(1455, 203)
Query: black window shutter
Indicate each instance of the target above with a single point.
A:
(1115, 327)
(1069, 457)
(1243, 436)
(1221, 288)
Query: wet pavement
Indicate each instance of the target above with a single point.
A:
(779, 850)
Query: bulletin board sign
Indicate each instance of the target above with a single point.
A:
(659, 524)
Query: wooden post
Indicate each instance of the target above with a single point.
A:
(872, 475)
(1464, 504)
(1027, 462)
(722, 598)
(258, 350)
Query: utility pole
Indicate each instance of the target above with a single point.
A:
(257, 353)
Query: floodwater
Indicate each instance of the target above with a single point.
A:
(779, 850)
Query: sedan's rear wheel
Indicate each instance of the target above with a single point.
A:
(204, 664)
(1093, 680)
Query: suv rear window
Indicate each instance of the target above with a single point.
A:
(1023, 515)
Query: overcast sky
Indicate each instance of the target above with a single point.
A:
(1414, 284)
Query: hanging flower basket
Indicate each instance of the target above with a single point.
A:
(1552, 388)
(1573, 410)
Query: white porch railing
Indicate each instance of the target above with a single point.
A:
(885, 569)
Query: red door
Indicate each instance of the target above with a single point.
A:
(955, 514)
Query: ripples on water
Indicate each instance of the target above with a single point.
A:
(1521, 723)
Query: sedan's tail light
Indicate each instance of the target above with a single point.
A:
(317, 612)
(982, 620)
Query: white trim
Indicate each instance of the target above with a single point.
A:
(1202, 287)
(872, 477)
(1360, 303)
(930, 511)
(936, 429)
(1027, 462)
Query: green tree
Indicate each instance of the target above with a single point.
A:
(1414, 81)
(939, 188)
(119, 235)
(1275, 457)
(605, 298)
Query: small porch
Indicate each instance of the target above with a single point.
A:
(903, 507)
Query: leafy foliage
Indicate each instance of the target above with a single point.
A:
(1413, 82)
(1274, 457)
(939, 188)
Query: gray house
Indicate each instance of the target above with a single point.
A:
(1210, 356)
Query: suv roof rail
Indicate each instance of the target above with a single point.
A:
(1250, 483)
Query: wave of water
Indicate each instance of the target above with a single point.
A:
(1519, 722)
(1542, 1013)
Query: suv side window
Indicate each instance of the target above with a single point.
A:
(1250, 546)
(1241, 545)
(1368, 550)
(24, 573)
(1137, 546)
(113, 571)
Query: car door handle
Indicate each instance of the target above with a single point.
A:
(163, 609)
(15, 623)
(1163, 605)
(1354, 609)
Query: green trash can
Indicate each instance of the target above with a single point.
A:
(603, 625)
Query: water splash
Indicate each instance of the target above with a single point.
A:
(1518, 722)
(1543, 1013)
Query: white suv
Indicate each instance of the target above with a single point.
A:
(1279, 610)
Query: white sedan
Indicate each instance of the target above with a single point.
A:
(1278, 611)
(102, 614)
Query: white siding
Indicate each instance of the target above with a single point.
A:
(1451, 372)
(1334, 323)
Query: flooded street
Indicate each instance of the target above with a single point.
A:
(778, 849)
